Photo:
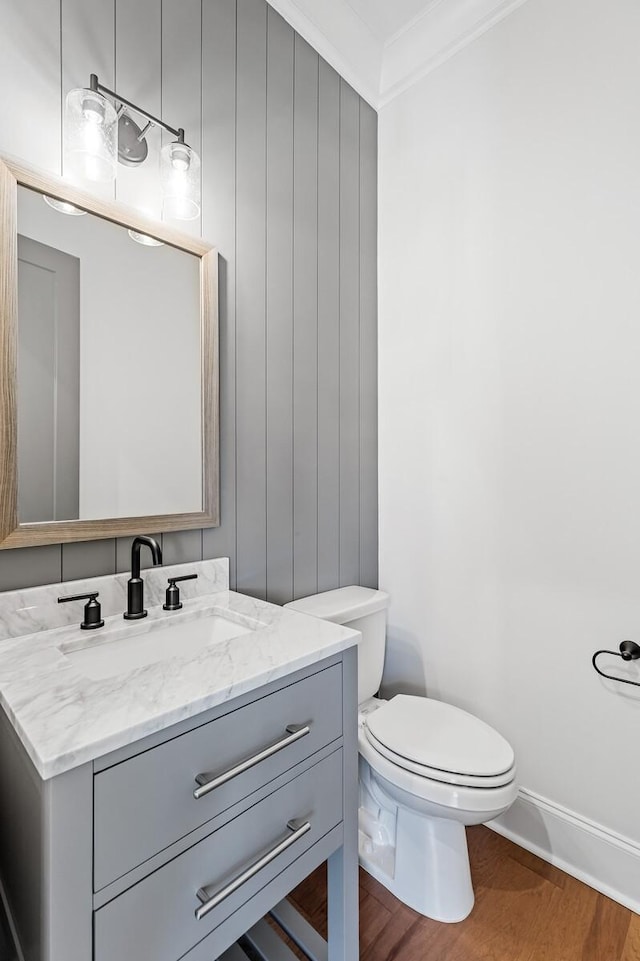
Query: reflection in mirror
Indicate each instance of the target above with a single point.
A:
(109, 371)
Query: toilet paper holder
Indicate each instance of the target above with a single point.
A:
(629, 651)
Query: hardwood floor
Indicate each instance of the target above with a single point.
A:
(526, 910)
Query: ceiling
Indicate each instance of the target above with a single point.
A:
(385, 18)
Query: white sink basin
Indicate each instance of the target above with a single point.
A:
(122, 649)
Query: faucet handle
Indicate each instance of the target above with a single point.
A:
(172, 599)
(92, 611)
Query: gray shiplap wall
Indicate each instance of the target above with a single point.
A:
(289, 197)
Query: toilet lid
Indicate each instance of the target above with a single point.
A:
(438, 737)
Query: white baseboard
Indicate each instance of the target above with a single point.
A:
(604, 860)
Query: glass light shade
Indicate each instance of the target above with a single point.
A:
(180, 180)
(90, 137)
(63, 207)
(145, 239)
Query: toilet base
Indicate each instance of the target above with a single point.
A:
(432, 873)
(421, 858)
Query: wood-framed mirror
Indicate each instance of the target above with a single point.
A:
(108, 368)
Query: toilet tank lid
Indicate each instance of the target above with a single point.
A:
(342, 605)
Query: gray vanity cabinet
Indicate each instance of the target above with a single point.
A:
(147, 802)
(156, 918)
(117, 859)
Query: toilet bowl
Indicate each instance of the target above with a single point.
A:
(427, 769)
(463, 774)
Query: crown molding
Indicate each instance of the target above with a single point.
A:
(428, 6)
(432, 38)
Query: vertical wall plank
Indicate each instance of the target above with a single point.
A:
(181, 65)
(250, 297)
(138, 78)
(30, 71)
(368, 347)
(88, 46)
(182, 77)
(180, 547)
(328, 328)
(88, 42)
(305, 322)
(279, 357)
(30, 127)
(88, 559)
(349, 336)
(182, 40)
(219, 226)
(30, 567)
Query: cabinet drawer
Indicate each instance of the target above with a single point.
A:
(155, 920)
(147, 802)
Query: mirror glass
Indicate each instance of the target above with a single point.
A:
(109, 370)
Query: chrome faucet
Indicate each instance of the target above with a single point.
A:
(135, 586)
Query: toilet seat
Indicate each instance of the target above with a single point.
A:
(475, 805)
(440, 742)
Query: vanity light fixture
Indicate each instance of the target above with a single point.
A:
(99, 132)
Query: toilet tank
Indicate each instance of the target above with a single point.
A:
(362, 609)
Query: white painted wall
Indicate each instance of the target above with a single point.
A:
(510, 392)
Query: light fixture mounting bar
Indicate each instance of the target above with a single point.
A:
(94, 84)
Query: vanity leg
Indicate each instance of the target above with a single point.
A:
(343, 864)
(46, 848)
(67, 865)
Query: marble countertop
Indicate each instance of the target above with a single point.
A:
(64, 719)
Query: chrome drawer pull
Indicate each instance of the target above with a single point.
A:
(208, 783)
(211, 901)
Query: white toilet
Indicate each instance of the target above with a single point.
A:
(427, 769)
